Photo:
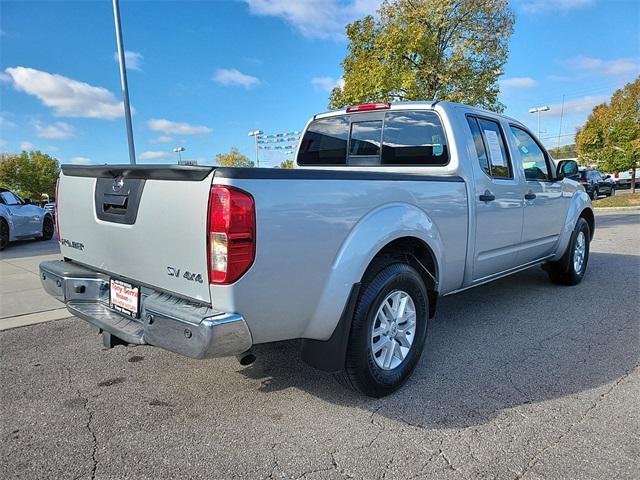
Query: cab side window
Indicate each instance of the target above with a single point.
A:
(534, 160)
(490, 147)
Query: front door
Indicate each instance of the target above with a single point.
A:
(545, 208)
(499, 201)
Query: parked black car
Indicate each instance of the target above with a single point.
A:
(595, 184)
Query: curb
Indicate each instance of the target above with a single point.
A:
(616, 209)
(33, 318)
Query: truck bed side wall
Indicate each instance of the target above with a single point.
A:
(297, 286)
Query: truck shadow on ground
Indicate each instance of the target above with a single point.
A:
(516, 341)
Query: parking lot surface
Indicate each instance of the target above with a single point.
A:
(520, 378)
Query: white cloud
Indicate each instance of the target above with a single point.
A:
(518, 82)
(81, 161)
(5, 78)
(5, 122)
(167, 127)
(24, 145)
(154, 155)
(541, 6)
(617, 66)
(133, 60)
(326, 83)
(315, 19)
(67, 97)
(578, 106)
(161, 139)
(55, 131)
(233, 77)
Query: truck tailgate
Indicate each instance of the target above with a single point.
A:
(142, 224)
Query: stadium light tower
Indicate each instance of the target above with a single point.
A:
(179, 150)
(255, 134)
(538, 110)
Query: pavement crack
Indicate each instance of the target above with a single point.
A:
(88, 426)
(536, 457)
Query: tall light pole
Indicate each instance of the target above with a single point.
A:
(538, 110)
(179, 150)
(123, 81)
(255, 134)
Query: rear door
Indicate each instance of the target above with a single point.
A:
(498, 200)
(545, 209)
(143, 225)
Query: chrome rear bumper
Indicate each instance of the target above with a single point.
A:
(174, 324)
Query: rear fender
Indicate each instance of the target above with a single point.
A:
(580, 202)
(372, 233)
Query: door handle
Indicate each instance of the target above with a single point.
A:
(530, 196)
(487, 196)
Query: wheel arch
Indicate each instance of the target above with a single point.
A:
(400, 231)
(580, 207)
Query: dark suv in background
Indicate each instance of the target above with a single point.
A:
(595, 184)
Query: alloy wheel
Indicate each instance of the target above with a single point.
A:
(393, 330)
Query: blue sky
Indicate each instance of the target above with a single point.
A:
(203, 74)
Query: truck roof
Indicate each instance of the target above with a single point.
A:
(423, 105)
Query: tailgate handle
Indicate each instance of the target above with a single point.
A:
(115, 204)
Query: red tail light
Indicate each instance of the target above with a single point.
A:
(365, 107)
(231, 234)
(57, 208)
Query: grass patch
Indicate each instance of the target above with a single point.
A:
(619, 200)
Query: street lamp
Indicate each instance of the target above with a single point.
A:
(178, 150)
(255, 134)
(538, 110)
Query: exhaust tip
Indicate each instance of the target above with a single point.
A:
(246, 359)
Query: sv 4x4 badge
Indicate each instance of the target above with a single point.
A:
(193, 277)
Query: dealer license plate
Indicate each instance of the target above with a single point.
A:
(125, 298)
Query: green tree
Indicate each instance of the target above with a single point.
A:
(286, 164)
(611, 135)
(427, 50)
(233, 159)
(565, 151)
(31, 174)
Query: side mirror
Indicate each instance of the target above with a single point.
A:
(27, 201)
(568, 169)
(607, 177)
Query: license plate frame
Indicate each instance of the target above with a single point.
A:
(124, 298)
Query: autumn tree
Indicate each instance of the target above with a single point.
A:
(427, 50)
(611, 135)
(31, 174)
(286, 164)
(233, 159)
(565, 151)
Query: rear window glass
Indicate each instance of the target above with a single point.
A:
(325, 142)
(414, 138)
(365, 138)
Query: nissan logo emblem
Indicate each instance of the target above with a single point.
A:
(118, 183)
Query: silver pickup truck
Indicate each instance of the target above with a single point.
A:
(390, 206)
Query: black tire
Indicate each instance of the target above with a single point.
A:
(594, 194)
(47, 228)
(361, 371)
(612, 192)
(564, 272)
(4, 234)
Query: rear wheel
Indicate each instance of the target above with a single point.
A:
(388, 330)
(4, 234)
(570, 269)
(47, 228)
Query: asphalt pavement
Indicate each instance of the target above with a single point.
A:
(519, 379)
